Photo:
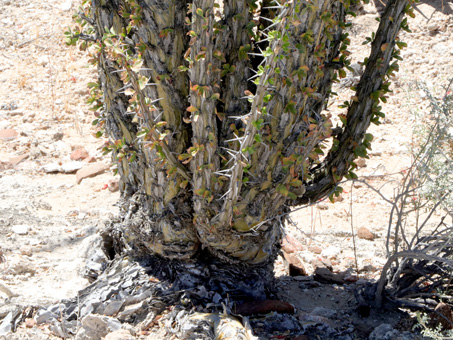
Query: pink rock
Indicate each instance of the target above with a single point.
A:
(291, 245)
(91, 170)
(79, 154)
(365, 234)
(8, 134)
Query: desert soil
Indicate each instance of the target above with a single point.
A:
(48, 222)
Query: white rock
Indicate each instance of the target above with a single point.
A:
(331, 251)
(52, 167)
(72, 166)
(20, 229)
(66, 6)
(43, 60)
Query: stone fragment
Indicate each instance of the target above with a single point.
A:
(17, 112)
(360, 162)
(95, 327)
(325, 312)
(384, 332)
(8, 134)
(89, 159)
(91, 170)
(315, 249)
(20, 229)
(7, 324)
(331, 252)
(113, 308)
(264, 307)
(30, 323)
(26, 250)
(444, 315)
(291, 244)
(79, 154)
(120, 334)
(113, 185)
(321, 263)
(296, 267)
(44, 316)
(51, 168)
(17, 159)
(71, 167)
(365, 234)
(433, 27)
(324, 275)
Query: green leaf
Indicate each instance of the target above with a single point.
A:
(199, 12)
(142, 81)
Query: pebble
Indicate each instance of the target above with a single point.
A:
(289, 244)
(120, 334)
(315, 249)
(26, 250)
(331, 252)
(20, 229)
(365, 234)
(79, 154)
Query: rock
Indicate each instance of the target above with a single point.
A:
(79, 154)
(20, 229)
(113, 308)
(444, 315)
(296, 267)
(51, 168)
(315, 249)
(43, 60)
(16, 160)
(324, 275)
(71, 167)
(95, 327)
(433, 27)
(291, 245)
(58, 136)
(322, 206)
(361, 162)
(91, 170)
(365, 234)
(264, 307)
(325, 312)
(8, 134)
(44, 316)
(89, 159)
(7, 291)
(7, 324)
(321, 263)
(113, 185)
(17, 112)
(384, 332)
(331, 252)
(26, 250)
(30, 323)
(120, 334)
